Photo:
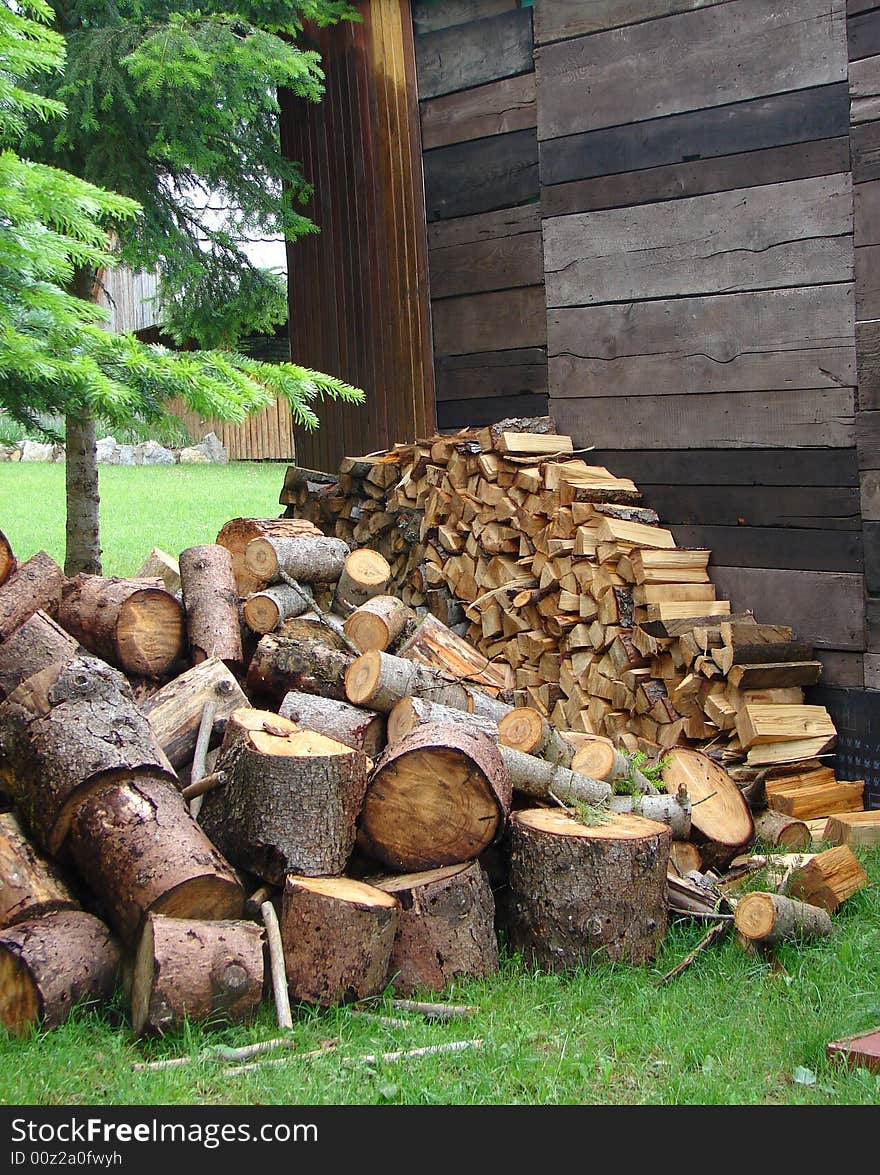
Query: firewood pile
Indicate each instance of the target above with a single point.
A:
(269, 769)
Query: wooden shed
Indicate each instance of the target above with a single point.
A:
(657, 219)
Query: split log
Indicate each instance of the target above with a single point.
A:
(365, 574)
(29, 885)
(768, 918)
(34, 585)
(38, 643)
(828, 878)
(435, 645)
(175, 711)
(377, 623)
(137, 847)
(238, 532)
(577, 889)
(363, 730)
(304, 558)
(410, 713)
(446, 929)
(684, 857)
(50, 965)
(134, 624)
(290, 804)
(8, 562)
(669, 810)
(338, 935)
(853, 828)
(782, 832)
(379, 680)
(722, 824)
(314, 663)
(526, 730)
(63, 728)
(542, 780)
(164, 566)
(264, 611)
(210, 600)
(187, 969)
(439, 796)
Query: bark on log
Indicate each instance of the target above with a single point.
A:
(438, 797)
(363, 730)
(379, 680)
(304, 558)
(538, 778)
(210, 600)
(525, 730)
(49, 965)
(365, 574)
(410, 713)
(238, 532)
(175, 711)
(38, 643)
(337, 935)
(63, 728)
(264, 611)
(195, 970)
(664, 809)
(377, 623)
(137, 847)
(435, 645)
(768, 918)
(134, 624)
(30, 886)
(576, 890)
(8, 562)
(289, 805)
(782, 832)
(313, 664)
(34, 585)
(721, 822)
(446, 929)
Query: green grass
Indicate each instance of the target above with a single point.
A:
(732, 1029)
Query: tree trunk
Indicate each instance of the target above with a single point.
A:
(312, 664)
(195, 970)
(210, 599)
(446, 929)
(338, 936)
(363, 730)
(577, 889)
(175, 711)
(768, 918)
(29, 885)
(49, 965)
(83, 549)
(38, 643)
(34, 585)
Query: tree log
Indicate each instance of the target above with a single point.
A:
(188, 969)
(379, 680)
(722, 824)
(363, 730)
(51, 964)
(435, 645)
(134, 624)
(377, 623)
(63, 728)
(175, 711)
(446, 929)
(577, 889)
(238, 532)
(828, 878)
(166, 567)
(210, 599)
(365, 574)
(38, 643)
(34, 585)
(782, 832)
(8, 562)
(29, 885)
(663, 809)
(440, 796)
(769, 918)
(290, 804)
(264, 611)
(312, 664)
(135, 844)
(410, 713)
(538, 778)
(304, 558)
(338, 936)
(247, 721)
(525, 730)
(684, 857)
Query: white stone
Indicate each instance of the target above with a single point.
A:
(35, 451)
(106, 450)
(193, 457)
(152, 453)
(124, 455)
(213, 449)
(10, 453)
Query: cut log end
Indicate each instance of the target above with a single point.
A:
(150, 633)
(20, 1004)
(362, 677)
(523, 729)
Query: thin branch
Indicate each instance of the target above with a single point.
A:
(276, 962)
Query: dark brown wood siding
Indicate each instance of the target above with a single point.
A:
(358, 290)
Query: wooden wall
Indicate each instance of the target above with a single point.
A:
(358, 290)
(697, 216)
(476, 86)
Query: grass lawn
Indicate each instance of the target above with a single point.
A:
(732, 1029)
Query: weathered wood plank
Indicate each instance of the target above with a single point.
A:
(807, 507)
(790, 234)
(866, 206)
(725, 53)
(788, 548)
(480, 176)
(865, 140)
(807, 115)
(455, 414)
(490, 322)
(494, 109)
(870, 495)
(486, 265)
(557, 20)
(714, 467)
(863, 33)
(774, 340)
(472, 54)
(749, 420)
(864, 89)
(871, 539)
(800, 599)
(867, 277)
(487, 226)
(442, 14)
(675, 180)
(868, 439)
(868, 354)
(872, 671)
(519, 372)
(853, 7)
(842, 669)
